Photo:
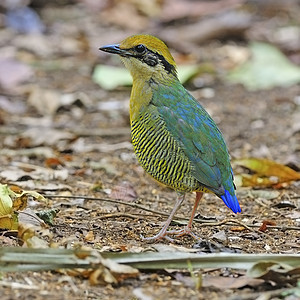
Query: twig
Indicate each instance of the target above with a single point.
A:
(134, 205)
(224, 222)
(116, 215)
(202, 223)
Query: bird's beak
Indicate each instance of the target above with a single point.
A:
(115, 49)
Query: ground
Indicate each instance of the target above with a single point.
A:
(90, 155)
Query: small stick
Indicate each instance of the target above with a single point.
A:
(202, 223)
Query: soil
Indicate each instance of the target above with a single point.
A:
(100, 163)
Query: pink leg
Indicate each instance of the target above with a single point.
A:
(163, 231)
(188, 228)
(197, 201)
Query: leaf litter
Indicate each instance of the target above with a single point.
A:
(101, 195)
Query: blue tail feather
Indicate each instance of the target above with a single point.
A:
(231, 202)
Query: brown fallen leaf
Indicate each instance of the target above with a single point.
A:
(237, 228)
(112, 272)
(53, 162)
(280, 273)
(264, 224)
(120, 271)
(89, 237)
(124, 191)
(11, 202)
(266, 173)
(101, 276)
(31, 229)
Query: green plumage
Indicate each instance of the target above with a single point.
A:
(175, 141)
(160, 153)
(174, 138)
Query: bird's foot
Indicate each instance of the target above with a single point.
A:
(157, 237)
(187, 230)
(165, 234)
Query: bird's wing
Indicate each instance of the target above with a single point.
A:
(198, 134)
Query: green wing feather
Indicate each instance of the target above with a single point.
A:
(199, 136)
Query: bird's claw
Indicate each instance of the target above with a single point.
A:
(156, 238)
(185, 231)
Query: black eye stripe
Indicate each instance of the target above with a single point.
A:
(150, 60)
(142, 52)
(168, 67)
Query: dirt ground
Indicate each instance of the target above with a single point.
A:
(88, 141)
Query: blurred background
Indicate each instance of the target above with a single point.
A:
(64, 121)
(52, 73)
(60, 95)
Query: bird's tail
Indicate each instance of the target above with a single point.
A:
(231, 201)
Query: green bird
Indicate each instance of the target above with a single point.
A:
(174, 138)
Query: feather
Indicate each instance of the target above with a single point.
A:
(198, 135)
(174, 138)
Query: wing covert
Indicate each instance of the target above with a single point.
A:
(198, 134)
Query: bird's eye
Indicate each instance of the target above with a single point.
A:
(140, 48)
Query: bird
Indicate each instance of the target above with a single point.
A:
(174, 138)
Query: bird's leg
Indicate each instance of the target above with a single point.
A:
(163, 232)
(188, 228)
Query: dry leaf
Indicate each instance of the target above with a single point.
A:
(120, 271)
(46, 136)
(264, 224)
(124, 191)
(279, 273)
(8, 219)
(90, 237)
(237, 228)
(11, 202)
(13, 73)
(53, 162)
(6, 202)
(101, 276)
(30, 232)
(267, 173)
(230, 282)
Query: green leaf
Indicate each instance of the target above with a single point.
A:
(110, 77)
(6, 202)
(268, 68)
(186, 72)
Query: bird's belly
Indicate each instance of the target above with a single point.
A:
(162, 156)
